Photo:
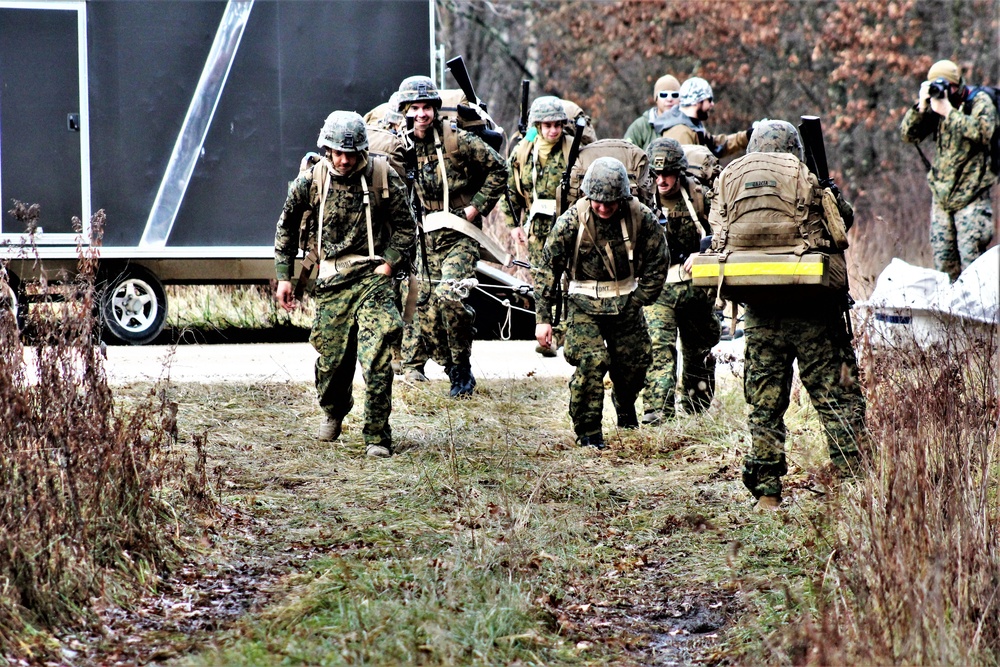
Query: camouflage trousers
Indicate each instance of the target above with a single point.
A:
(442, 326)
(599, 345)
(959, 237)
(689, 311)
(354, 322)
(541, 225)
(828, 369)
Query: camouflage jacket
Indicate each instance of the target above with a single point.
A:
(687, 131)
(683, 233)
(960, 172)
(476, 173)
(344, 227)
(523, 182)
(649, 253)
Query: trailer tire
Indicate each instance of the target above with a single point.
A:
(16, 300)
(133, 305)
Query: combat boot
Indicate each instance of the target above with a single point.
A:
(378, 451)
(627, 418)
(653, 418)
(768, 503)
(462, 381)
(596, 441)
(330, 429)
(415, 375)
(546, 351)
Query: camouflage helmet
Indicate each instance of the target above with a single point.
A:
(393, 118)
(695, 90)
(417, 89)
(666, 155)
(776, 136)
(606, 181)
(343, 131)
(547, 109)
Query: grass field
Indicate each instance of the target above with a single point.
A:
(489, 538)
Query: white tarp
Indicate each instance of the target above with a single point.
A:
(918, 304)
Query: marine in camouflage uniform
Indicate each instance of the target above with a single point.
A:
(960, 177)
(356, 314)
(614, 252)
(681, 308)
(666, 95)
(814, 333)
(474, 176)
(686, 122)
(535, 169)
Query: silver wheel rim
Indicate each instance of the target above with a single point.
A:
(134, 305)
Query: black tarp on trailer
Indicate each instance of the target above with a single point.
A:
(150, 72)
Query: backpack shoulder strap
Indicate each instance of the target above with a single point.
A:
(379, 172)
(582, 211)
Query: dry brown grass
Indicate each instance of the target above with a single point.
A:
(914, 569)
(84, 512)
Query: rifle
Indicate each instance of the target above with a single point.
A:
(812, 142)
(458, 70)
(461, 73)
(413, 197)
(815, 150)
(574, 153)
(522, 123)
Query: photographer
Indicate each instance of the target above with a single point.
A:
(960, 177)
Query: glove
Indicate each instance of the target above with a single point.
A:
(829, 183)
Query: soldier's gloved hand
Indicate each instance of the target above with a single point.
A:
(924, 96)
(829, 183)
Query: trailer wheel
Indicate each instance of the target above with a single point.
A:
(133, 305)
(15, 299)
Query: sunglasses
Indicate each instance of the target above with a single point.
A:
(664, 94)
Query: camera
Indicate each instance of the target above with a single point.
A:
(939, 88)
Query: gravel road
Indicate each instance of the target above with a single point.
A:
(293, 362)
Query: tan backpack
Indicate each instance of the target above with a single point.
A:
(775, 232)
(703, 166)
(634, 158)
(387, 144)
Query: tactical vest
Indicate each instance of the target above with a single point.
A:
(586, 237)
(775, 232)
(524, 158)
(376, 173)
(445, 154)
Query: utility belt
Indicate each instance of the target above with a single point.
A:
(602, 289)
(332, 267)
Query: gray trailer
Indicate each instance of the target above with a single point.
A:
(183, 121)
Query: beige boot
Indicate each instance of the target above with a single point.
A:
(768, 503)
(330, 429)
(378, 451)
